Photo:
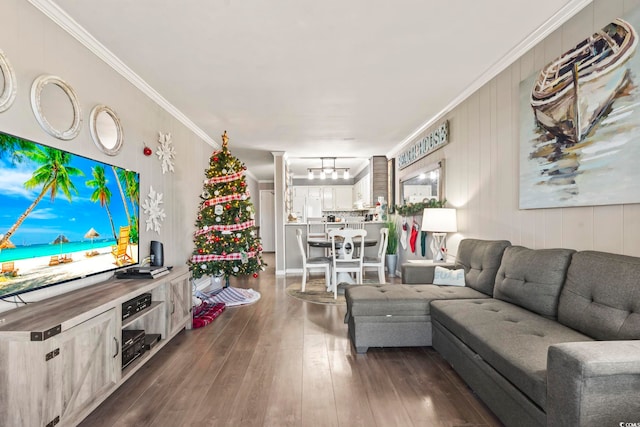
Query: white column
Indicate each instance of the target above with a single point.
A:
(279, 187)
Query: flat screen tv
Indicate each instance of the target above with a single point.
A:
(62, 216)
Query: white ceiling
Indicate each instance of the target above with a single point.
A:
(337, 78)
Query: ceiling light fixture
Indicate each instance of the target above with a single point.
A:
(328, 167)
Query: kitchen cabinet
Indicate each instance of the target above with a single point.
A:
(362, 191)
(321, 198)
(343, 197)
(327, 198)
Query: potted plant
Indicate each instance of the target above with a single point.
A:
(392, 245)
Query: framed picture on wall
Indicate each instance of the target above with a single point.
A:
(579, 123)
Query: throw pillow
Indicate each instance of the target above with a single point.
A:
(444, 276)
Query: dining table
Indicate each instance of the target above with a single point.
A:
(318, 242)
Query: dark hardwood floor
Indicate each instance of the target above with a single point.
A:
(284, 362)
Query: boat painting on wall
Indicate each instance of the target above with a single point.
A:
(580, 123)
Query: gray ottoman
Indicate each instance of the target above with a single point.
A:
(395, 315)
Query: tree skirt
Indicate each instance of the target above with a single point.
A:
(231, 296)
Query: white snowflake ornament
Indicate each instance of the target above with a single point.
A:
(151, 207)
(166, 152)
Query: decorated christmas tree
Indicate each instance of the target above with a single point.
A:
(225, 239)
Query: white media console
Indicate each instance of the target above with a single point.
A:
(61, 357)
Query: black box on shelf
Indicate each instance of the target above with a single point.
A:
(135, 305)
(132, 345)
(150, 340)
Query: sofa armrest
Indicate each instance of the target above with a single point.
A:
(593, 383)
(417, 274)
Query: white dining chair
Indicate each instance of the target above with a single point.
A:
(316, 229)
(354, 222)
(347, 254)
(315, 263)
(377, 262)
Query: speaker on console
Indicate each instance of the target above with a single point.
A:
(157, 254)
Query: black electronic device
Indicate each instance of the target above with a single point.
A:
(135, 305)
(150, 340)
(157, 254)
(132, 345)
(142, 272)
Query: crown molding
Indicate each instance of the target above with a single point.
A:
(550, 25)
(67, 23)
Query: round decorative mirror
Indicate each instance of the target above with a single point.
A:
(55, 105)
(106, 129)
(7, 83)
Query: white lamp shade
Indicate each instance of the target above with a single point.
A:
(439, 220)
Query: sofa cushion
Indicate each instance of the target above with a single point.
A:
(533, 278)
(400, 300)
(513, 340)
(480, 260)
(601, 297)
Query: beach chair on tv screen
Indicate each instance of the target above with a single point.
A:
(8, 269)
(119, 251)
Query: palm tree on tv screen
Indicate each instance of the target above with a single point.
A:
(127, 194)
(124, 200)
(14, 146)
(53, 175)
(101, 193)
(132, 190)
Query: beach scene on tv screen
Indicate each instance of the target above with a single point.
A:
(62, 216)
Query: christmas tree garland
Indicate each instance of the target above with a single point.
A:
(231, 227)
(224, 199)
(223, 257)
(225, 178)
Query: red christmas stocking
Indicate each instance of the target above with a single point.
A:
(413, 238)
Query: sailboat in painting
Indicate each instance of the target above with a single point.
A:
(572, 92)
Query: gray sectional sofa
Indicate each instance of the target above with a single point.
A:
(544, 337)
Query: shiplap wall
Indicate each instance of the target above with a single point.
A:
(482, 166)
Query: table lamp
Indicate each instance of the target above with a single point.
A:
(439, 222)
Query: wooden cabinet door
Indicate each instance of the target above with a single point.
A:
(29, 383)
(180, 303)
(327, 198)
(90, 356)
(315, 192)
(55, 381)
(343, 195)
